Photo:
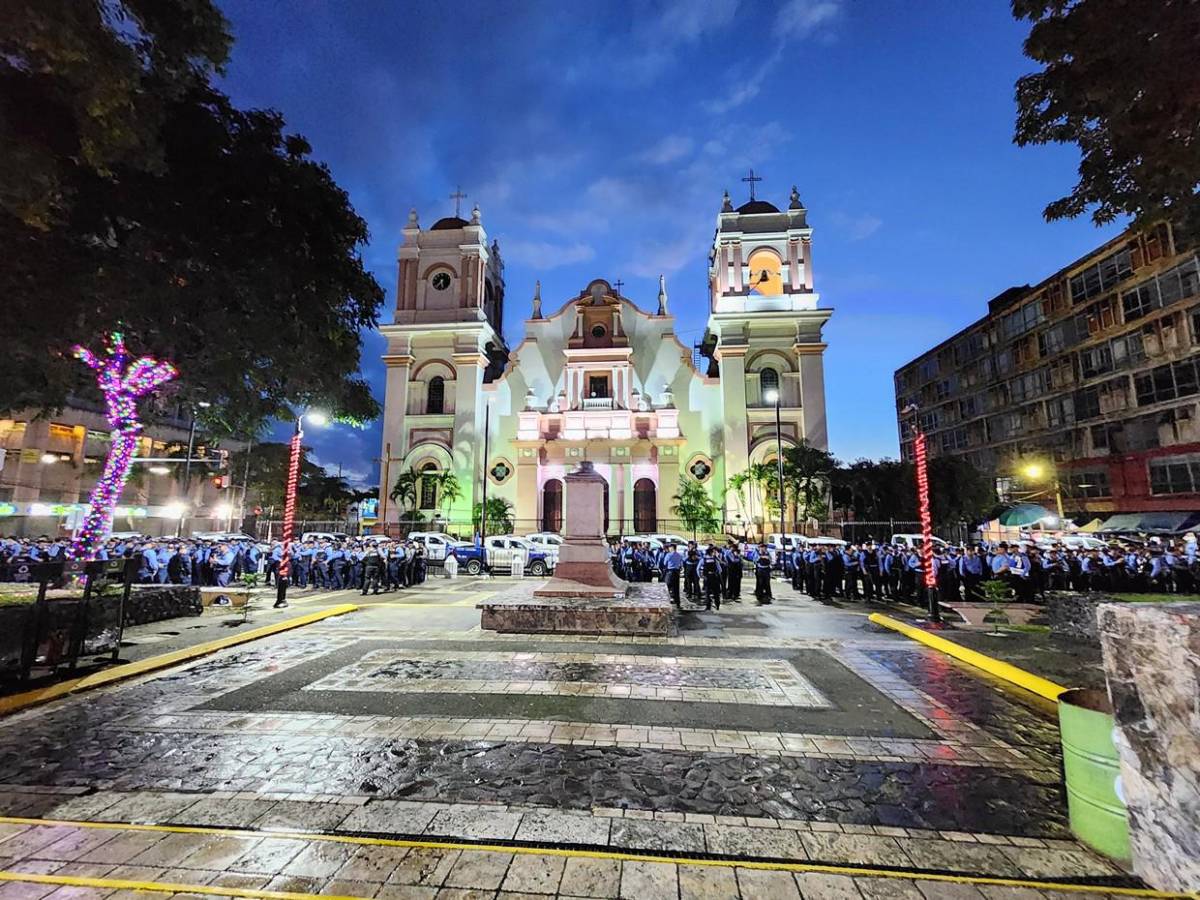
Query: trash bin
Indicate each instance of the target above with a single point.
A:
(1090, 763)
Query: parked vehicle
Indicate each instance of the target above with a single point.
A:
(547, 541)
(498, 550)
(324, 536)
(665, 539)
(437, 545)
(914, 542)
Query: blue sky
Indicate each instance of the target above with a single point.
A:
(598, 137)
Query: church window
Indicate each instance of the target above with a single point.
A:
(552, 509)
(429, 486)
(768, 380)
(700, 469)
(437, 395)
(500, 471)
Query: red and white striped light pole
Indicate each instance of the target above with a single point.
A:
(283, 576)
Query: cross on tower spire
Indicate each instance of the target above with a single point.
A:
(618, 284)
(752, 178)
(458, 196)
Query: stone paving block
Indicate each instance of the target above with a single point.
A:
(894, 889)
(123, 847)
(855, 848)
(952, 856)
(1046, 863)
(84, 807)
(231, 813)
(147, 808)
(476, 823)
(240, 880)
(319, 859)
(296, 884)
(448, 893)
(715, 882)
(820, 886)
(343, 888)
(558, 827)
(170, 850)
(732, 840)
(534, 874)
(583, 877)
(268, 856)
(763, 884)
(1004, 892)
(947, 890)
(217, 853)
(424, 867)
(661, 836)
(291, 815)
(480, 869)
(29, 842)
(372, 863)
(648, 881)
(74, 845)
(390, 817)
(405, 892)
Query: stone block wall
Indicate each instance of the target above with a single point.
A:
(1152, 662)
(153, 603)
(1072, 614)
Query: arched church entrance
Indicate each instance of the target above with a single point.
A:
(552, 508)
(645, 506)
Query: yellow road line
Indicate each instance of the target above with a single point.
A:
(449, 844)
(104, 677)
(160, 887)
(1007, 671)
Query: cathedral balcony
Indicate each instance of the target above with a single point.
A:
(590, 403)
(597, 424)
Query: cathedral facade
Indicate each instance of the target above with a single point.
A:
(599, 378)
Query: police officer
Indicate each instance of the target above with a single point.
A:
(672, 566)
(372, 564)
(710, 567)
(762, 576)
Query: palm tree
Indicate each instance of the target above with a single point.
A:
(695, 508)
(499, 516)
(404, 492)
(449, 490)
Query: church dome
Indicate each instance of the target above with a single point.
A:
(452, 222)
(754, 206)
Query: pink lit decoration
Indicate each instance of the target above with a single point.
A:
(923, 505)
(289, 507)
(122, 384)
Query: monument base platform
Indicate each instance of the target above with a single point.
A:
(646, 611)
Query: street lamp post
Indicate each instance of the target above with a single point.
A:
(1035, 472)
(772, 396)
(487, 420)
(187, 463)
(289, 508)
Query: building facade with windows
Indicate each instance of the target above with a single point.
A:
(1095, 370)
(51, 463)
(598, 378)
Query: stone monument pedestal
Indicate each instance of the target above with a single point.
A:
(585, 596)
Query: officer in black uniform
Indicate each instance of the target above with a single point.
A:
(762, 576)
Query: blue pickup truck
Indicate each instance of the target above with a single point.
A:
(500, 551)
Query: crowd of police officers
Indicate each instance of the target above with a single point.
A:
(710, 574)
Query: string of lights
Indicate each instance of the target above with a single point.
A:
(289, 507)
(122, 385)
(919, 453)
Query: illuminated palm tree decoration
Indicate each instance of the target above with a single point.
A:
(121, 383)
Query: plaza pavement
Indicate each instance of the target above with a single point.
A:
(786, 751)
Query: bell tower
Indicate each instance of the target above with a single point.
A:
(767, 326)
(445, 342)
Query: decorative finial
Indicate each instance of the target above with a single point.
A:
(662, 295)
(475, 215)
(727, 206)
(795, 204)
(537, 299)
(412, 216)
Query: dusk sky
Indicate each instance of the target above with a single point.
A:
(597, 139)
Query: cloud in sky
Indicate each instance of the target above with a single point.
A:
(545, 255)
(855, 227)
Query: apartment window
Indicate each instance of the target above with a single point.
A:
(927, 369)
(1175, 475)
(1087, 403)
(1021, 320)
(1180, 282)
(1028, 386)
(1128, 350)
(1102, 276)
(1053, 340)
(1101, 316)
(954, 439)
(1060, 411)
(1004, 362)
(941, 390)
(1169, 382)
(1090, 484)
(1096, 361)
(1195, 317)
(1062, 373)
(928, 421)
(1140, 301)
(968, 407)
(1140, 434)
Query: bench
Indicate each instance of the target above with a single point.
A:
(974, 614)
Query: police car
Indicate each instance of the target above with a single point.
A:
(499, 552)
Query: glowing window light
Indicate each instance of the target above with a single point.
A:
(923, 505)
(122, 383)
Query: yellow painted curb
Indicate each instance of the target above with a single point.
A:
(450, 844)
(17, 702)
(1018, 676)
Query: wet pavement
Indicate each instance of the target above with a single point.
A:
(795, 732)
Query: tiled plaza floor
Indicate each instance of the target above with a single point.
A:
(795, 734)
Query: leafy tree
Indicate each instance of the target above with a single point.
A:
(134, 192)
(806, 471)
(449, 490)
(1119, 80)
(404, 491)
(266, 478)
(886, 490)
(695, 508)
(499, 516)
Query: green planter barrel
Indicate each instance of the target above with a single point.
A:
(1098, 817)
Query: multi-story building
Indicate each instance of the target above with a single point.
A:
(1094, 374)
(51, 462)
